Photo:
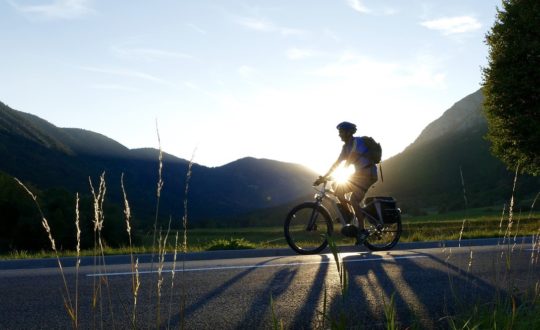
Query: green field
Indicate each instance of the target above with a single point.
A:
(477, 223)
(426, 228)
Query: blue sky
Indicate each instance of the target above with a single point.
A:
(229, 79)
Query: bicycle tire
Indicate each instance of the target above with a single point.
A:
(305, 241)
(375, 241)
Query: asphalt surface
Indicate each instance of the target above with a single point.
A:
(243, 289)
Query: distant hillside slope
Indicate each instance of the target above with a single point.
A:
(428, 173)
(464, 116)
(46, 156)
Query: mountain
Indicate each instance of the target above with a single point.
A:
(46, 156)
(465, 115)
(449, 163)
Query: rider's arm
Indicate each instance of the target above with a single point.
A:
(334, 166)
(342, 156)
(321, 179)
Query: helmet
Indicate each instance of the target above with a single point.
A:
(346, 126)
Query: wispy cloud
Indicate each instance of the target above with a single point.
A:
(359, 6)
(246, 71)
(369, 72)
(300, 54)
(196, 28)
(147, 54)
(114, 87)
(129, 74)
(328, 33)
(453, 25)
(390, 11)
(267, 26)
(377, 9)
(58, 9)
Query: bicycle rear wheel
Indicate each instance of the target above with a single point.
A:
(385, 237)
(306, 227)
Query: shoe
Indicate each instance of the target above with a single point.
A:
(349, 231)
(361, 236)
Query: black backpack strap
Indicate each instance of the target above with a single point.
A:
(380, 170)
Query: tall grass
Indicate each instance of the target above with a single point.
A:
(185, 238)
(509, 309)
(78, 260)
(159, 187)
(102, 311)
(162, 244)
(515, 310)
(71, 310)
(100, 264)
(512, 309)
(390, 312)
(134, 263)
(339, 321)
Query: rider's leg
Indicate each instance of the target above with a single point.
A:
(356, 198)
(340, 192)
(362, 185)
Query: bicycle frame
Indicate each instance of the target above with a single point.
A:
(329, 194)
(382, 221)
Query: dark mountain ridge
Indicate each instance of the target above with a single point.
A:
(449, 157)
(450, 164)
(464, 116)
(46, 156)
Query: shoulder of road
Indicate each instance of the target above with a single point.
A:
(252, 253)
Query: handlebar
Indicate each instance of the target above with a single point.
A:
(322, 180)
(325, 188)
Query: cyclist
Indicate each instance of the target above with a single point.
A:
(354, 152)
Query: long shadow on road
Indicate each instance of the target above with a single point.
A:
(424, 292)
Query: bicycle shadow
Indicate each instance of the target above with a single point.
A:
(200, 302)
(425, 289)
(259, 315)
(254, 310)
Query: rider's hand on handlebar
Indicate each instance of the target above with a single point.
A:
(319, 181)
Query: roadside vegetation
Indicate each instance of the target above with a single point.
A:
(513, 310)
(476, 223)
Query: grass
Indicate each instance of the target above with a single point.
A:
(101, 298)
(425, 228)
(512, 311)
(505, 314)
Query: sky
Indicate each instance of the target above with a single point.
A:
(220, 80)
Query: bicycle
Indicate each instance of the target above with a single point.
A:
(308, 225)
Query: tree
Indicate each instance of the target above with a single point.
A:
(512, 85)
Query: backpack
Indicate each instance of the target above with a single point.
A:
(374, 153)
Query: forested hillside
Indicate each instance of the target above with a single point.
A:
(450, 164)
(45, 156)
(448, 167)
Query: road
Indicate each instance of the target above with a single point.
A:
(234, 289)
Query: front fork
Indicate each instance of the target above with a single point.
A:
(312, 223)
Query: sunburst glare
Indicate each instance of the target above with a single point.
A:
(342, 173)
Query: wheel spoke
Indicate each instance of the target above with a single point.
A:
(385, 238)
(305, 228)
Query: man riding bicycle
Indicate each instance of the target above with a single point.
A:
(354, 152)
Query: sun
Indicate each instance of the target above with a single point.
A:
(342, 173)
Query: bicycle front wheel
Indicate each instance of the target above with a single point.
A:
(306, 228)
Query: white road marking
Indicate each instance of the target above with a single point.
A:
(254, 266)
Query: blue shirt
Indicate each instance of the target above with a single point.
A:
(355, 153)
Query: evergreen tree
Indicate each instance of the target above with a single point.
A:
(512, 85)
